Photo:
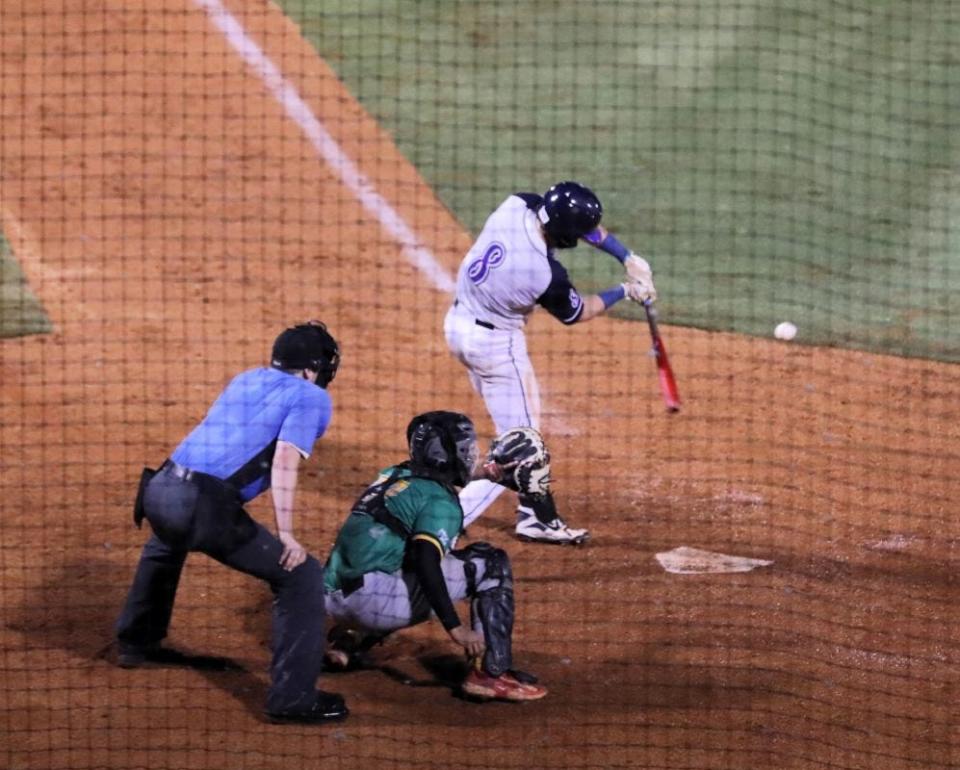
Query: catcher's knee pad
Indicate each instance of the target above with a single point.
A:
(497, 571)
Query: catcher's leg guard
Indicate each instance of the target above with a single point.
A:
(491, 605)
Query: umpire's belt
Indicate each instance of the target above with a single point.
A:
(218, 522)
(477, 321)
(181, 471)
(203, 480)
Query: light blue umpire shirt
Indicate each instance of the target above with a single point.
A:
(257, 407)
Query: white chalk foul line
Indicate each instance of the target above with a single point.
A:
(326, 146)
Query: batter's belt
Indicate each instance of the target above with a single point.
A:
(478, 321)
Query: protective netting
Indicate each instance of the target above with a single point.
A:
(770, 579)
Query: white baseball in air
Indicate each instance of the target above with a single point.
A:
(785, 331)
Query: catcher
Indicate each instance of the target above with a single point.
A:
(392, 565)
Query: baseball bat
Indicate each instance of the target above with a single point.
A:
(668, 385)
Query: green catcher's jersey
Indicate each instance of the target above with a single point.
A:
(427, 509)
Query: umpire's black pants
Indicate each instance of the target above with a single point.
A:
(173, 508)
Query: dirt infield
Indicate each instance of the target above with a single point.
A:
(172, 218)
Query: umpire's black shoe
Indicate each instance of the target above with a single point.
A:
(328, 707)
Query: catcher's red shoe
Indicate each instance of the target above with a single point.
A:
(480, 684)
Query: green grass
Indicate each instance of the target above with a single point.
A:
(20, 312)
(774, 160)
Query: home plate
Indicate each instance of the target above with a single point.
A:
(693, 561)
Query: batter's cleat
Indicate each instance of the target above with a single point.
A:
(480, 684)
(531, 530)
(328, 707)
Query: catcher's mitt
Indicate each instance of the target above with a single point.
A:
(519, 460)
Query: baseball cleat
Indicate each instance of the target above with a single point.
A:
(335, 659)
(480, 684)
(342, 643)
(531, 530)
(347, 648)
(328, 707)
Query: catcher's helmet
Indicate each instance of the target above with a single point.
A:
(443, 445)
(569, 212)
(307, 346)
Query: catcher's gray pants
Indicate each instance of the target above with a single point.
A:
(383, 604)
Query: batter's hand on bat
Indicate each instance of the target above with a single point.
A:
(638, 269)
(639, 291)
(641, 277)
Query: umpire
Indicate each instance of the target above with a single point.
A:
(253, 437)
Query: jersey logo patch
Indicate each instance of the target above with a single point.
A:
(574, 299)
(479, 269)
(397, 488)
(444, 538)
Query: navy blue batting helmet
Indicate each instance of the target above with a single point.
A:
(444, 445)
(307, 346)
(569, 212)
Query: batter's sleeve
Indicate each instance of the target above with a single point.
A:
(561, 299)
(533, 201)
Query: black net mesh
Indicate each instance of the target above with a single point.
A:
(770, 576)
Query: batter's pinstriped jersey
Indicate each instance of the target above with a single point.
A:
(509, 270)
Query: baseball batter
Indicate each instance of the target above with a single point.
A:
(510, 269)
(392, 565)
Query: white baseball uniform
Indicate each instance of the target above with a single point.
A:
(508, 271)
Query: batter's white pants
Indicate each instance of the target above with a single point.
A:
(501, 372)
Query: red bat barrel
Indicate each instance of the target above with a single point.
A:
(668, 384)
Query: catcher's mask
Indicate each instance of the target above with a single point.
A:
(307, 346)
(569, 212)
(444, 446)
